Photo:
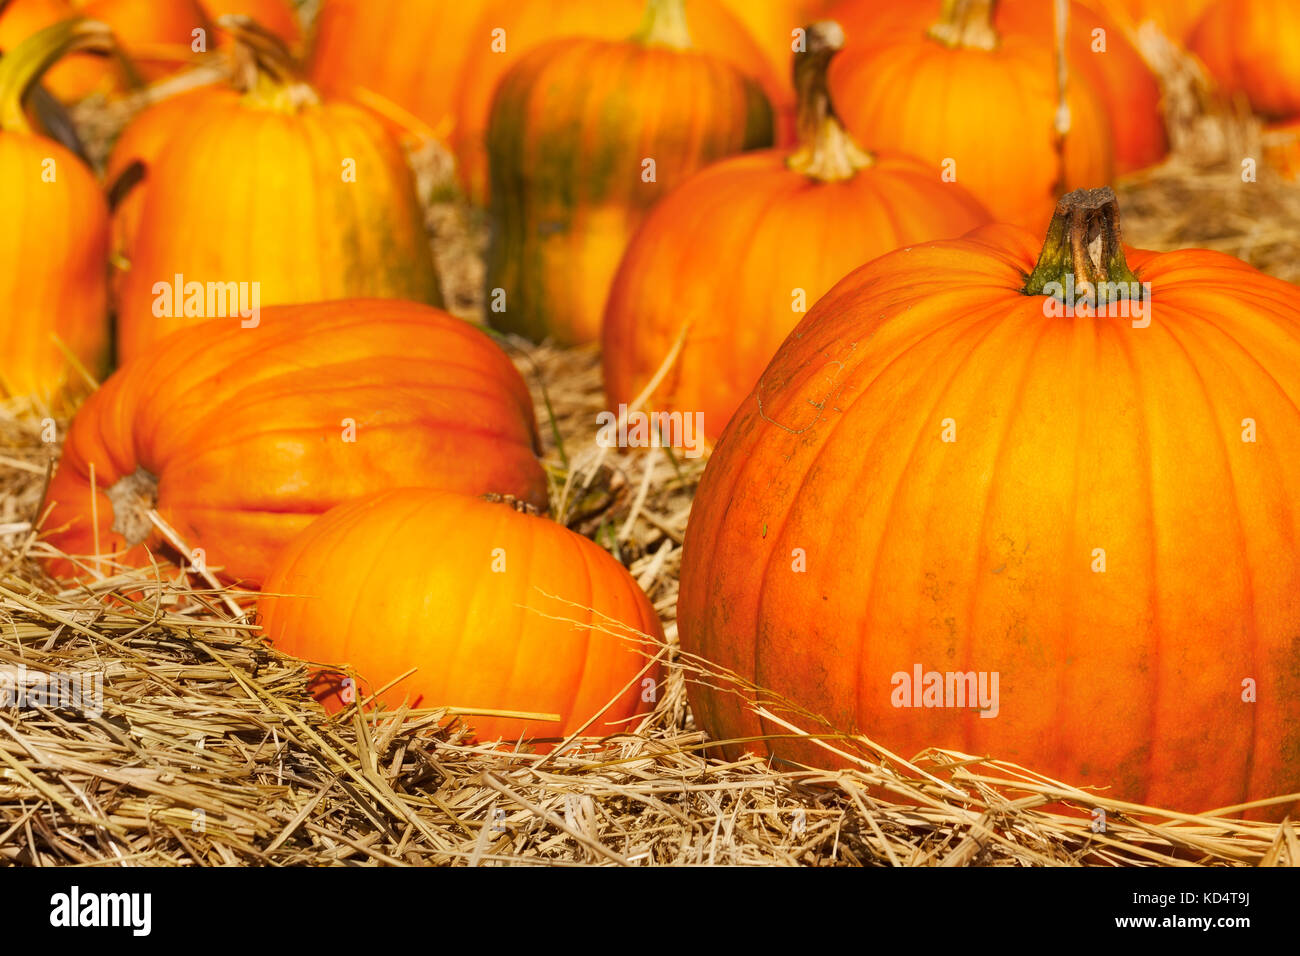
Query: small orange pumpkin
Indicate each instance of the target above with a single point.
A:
(54, 244)
(507, 30)
(1009, 156)
(239, 436)
(299, 199)
(576, 166)
(789, 224)
(979, 472)
(1116, 71)
(497, 610)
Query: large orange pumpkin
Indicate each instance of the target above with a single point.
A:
(576, 166)
(1098, 55)
(943, 471)
(787, 225)
(76, 74)
(979, 105)
(1252, 47)
(497, 610)
(404, 53)
(54, 244)
(507, 30)
(300, 199)
(241, 436)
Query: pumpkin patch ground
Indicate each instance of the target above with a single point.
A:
(210, 744)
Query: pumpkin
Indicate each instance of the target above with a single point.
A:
(576, 166)
(54, 244)
(497, 609)
(240, 436)
(1117, 73)
(995, 132)
(767, 215)
(507, 30)
(948, 468)
(300, 199)
(1174, 18)
(402, 58)
(1253, 49)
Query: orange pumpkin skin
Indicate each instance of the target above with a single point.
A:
(1072, 433)
(1174, 18)
(282, 214)
(54, 244)
(1253, 49)
(480, 598)
(157, 36)
(887, 95)
(276, 16)
(1118, 74)
(76, 74)
(142, 141)
(768, 216)
(568, 161)
(526, 26)
(246, 430)
(409, 52)
(771, 23)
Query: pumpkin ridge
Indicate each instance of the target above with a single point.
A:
(589, 606)
(1146, 475)
(1250, 619)
(1001, 446)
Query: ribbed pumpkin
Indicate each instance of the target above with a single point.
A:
(1118, 73)
(507, 30)
(1252, 47)
(733, 257)
(497, 609)
(943, 471)
(54, 244)
(979, 104)
(404, 53)
(243, 435)
(1174, 18)
(311, 200)
(576, 165)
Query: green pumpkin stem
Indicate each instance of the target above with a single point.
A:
(24, 65)
(1081, 219)
(264, 69)
(826, 151)
(664, 24)
(967, 24)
